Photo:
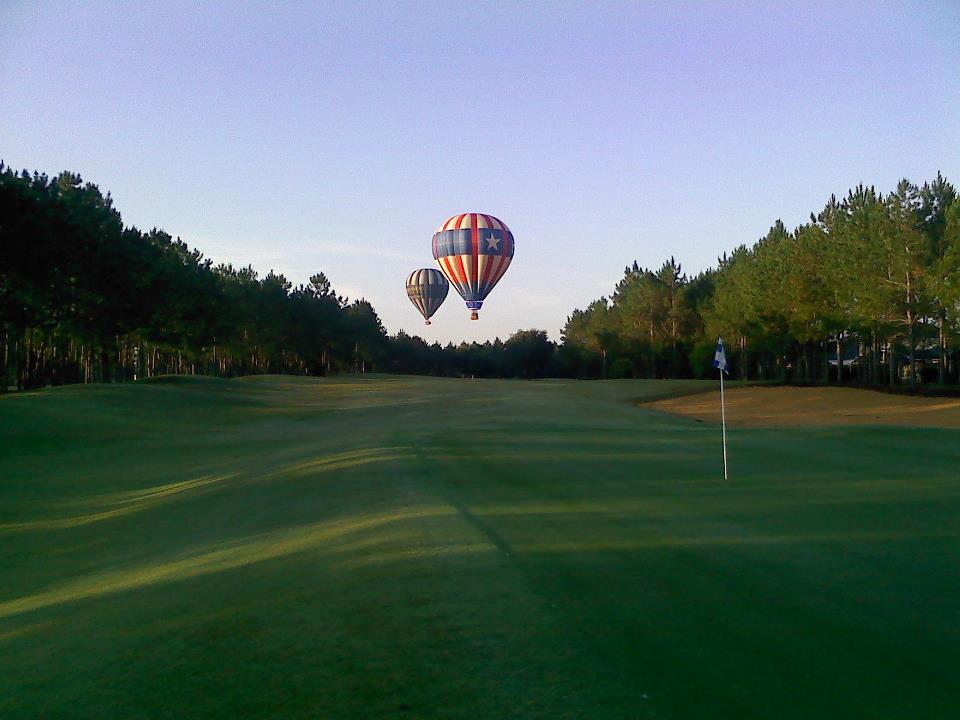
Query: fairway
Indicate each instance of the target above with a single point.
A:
(391, 547)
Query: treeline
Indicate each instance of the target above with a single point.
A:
(526, 354)
(868, 290)
(83, 298)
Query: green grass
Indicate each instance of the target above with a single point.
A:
(429, 548)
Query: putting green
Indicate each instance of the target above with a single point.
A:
(387, 547)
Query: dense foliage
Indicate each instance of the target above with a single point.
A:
(868, 289)
(83, 298)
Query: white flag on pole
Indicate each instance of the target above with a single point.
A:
(720, 363)
(720, 357)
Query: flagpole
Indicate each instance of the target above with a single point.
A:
(723, 423)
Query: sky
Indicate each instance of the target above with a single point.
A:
(336, 136)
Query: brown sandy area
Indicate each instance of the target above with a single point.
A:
(793, 406)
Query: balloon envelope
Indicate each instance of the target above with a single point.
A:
(427, 289)
(474, 251)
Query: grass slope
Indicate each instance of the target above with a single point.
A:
(431, 548)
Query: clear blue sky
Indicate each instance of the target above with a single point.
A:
(336, 136)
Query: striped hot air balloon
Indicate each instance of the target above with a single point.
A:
(474, 251)
(427, 289)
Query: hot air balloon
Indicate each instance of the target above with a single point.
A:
(427, 289)
(474, 251)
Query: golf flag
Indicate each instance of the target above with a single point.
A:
(720, 363)
(720, 357)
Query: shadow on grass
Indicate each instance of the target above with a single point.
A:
(119, 505)
(379, 538)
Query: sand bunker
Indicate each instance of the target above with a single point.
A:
(793, 406)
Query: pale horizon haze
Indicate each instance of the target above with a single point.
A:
(335, 137)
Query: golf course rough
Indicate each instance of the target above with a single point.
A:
(389, 547)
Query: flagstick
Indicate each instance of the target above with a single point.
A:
(723, 422)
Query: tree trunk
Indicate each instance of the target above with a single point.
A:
(27, 353)
(891, 362)
(912, 350)
(942, 365)
(744, 361)
(910, 334)
(15, 360)
(839, 359)
(5, 359)
(826, 362)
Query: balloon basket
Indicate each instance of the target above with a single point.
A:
(473, 315)
(428, 323)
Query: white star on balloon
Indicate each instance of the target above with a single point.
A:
(493, 243)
